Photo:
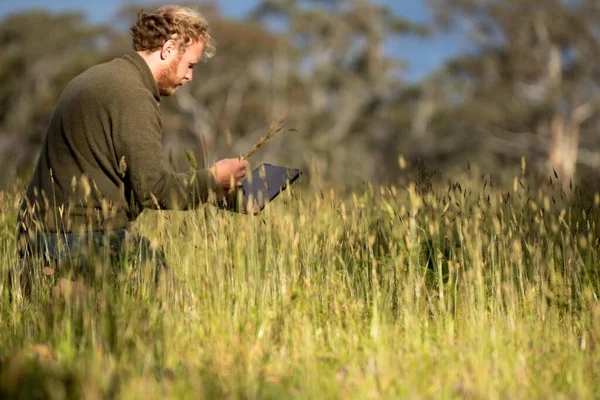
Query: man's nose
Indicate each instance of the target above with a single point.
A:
(189, 76)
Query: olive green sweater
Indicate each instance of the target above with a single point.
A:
(102, 161)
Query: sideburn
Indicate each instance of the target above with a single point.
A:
(166, 80)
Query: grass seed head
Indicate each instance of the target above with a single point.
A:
(276, 126)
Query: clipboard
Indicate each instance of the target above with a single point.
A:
(262, 187)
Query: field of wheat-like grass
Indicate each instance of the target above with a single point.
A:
(466, 288)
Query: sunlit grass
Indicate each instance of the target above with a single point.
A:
(469, 288)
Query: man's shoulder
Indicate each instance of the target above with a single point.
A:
(115, 80)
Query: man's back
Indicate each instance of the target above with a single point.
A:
(102, 160)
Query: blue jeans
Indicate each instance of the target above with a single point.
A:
(82, 253)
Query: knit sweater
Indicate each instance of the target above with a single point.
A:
(102, 161)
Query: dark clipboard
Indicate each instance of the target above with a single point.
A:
(260, 188)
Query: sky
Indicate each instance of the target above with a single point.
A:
(423, 55)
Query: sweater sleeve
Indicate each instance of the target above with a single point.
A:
(137, 134)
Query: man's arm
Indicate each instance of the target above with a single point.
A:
(137, 133)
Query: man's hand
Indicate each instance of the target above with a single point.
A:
(228, 172)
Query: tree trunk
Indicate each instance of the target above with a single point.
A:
(564, 149)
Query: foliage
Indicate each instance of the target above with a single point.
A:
(529, 86)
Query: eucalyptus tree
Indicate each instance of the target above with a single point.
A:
(530, 85)
(337, 80)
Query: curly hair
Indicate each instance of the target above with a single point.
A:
(182, 24)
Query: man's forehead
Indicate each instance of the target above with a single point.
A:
(194, 52)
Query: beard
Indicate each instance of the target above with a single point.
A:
(167, 81)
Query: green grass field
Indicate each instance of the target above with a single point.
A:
(463, 289)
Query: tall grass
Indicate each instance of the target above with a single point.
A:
(469, 288)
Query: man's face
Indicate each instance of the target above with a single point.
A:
(178, 69)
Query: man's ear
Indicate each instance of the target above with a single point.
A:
(169, 48)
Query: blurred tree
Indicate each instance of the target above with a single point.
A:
(531, 84)
(338, 83)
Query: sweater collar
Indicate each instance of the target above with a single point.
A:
(145, 73)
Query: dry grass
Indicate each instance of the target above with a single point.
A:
(459, 290)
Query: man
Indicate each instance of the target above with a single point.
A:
(102, 160)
